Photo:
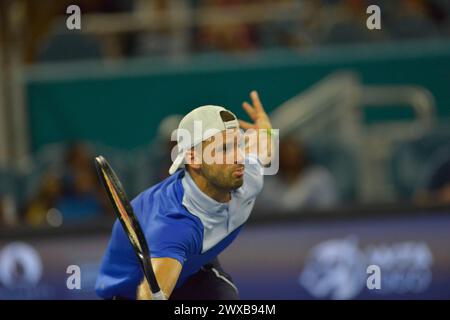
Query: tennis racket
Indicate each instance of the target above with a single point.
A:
(130, 224)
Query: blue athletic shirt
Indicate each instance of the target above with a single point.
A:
(181, 222)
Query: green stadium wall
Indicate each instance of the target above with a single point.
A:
(121, 104)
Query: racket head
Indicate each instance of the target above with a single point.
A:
(125, 214)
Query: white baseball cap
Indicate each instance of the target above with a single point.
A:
(199, 125)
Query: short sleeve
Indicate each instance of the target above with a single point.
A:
(174, 235)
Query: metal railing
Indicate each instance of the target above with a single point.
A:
(336, 102)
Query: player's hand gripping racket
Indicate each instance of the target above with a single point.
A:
(130, 224)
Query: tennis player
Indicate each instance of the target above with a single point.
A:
(192, 216)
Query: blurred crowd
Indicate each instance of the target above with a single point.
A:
(66, 192)
(181, 27)
(70, 192)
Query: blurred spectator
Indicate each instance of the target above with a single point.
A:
(151, 164)
(414, 21)
(43, 37)
(166, 128)
(2, 213)
(81, 195)
(37, 209)
(318, 22)
(232, 37)
(346, 23)
(8, 197)
(437, 189)
(74, 196)
(64, 45)
(439, 11)
(298, 183)
(160, 41)
(292, 32)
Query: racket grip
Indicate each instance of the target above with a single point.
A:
(159, 296)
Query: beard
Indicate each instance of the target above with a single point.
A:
(224, 180)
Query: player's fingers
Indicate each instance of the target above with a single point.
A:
(246, 125)
(250, 110)
(256, 101)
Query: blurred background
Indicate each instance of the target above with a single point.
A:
(364, 119)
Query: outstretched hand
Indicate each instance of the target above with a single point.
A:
(262, 145)
(257, 113)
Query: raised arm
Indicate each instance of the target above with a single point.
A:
(261, 144)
